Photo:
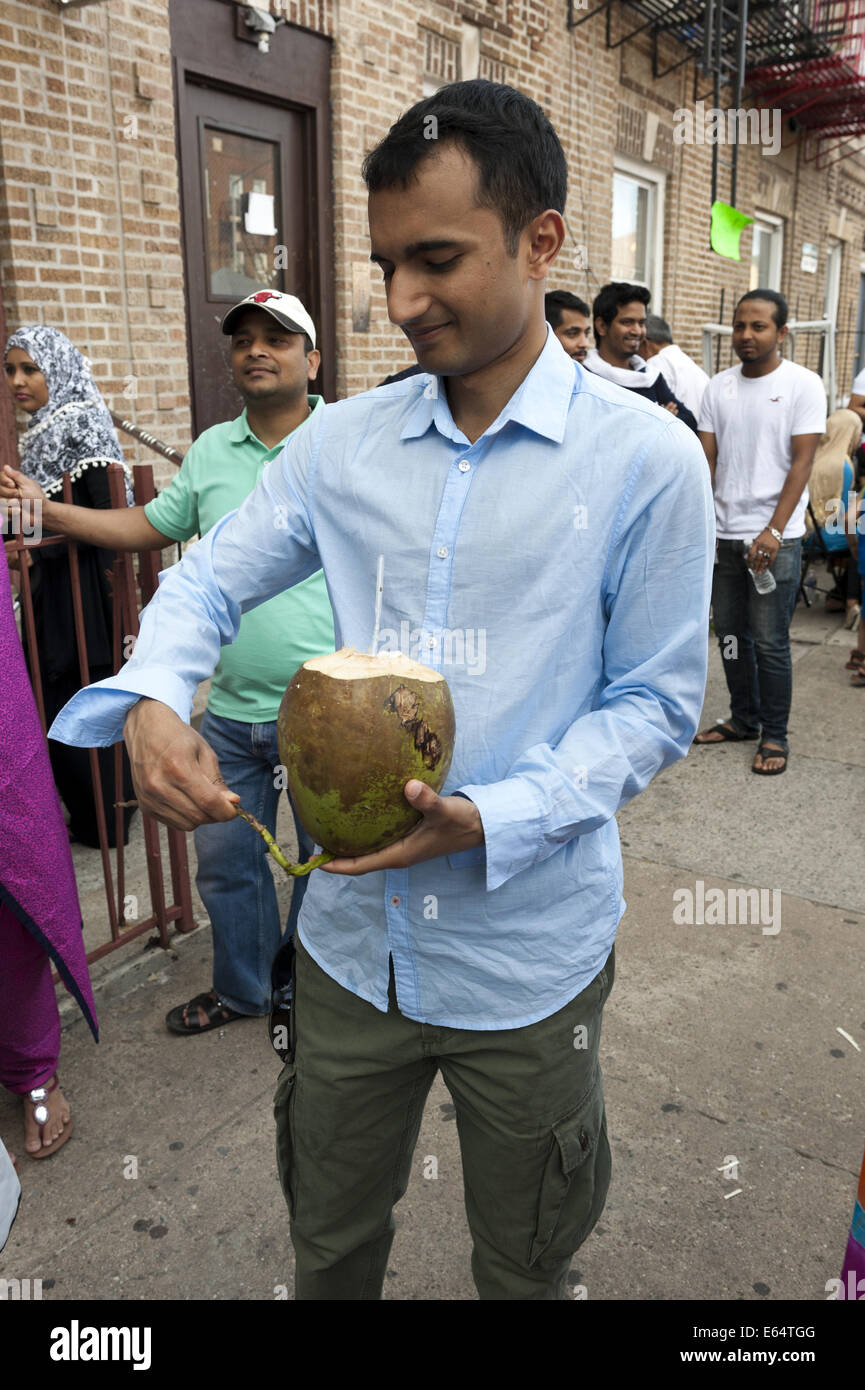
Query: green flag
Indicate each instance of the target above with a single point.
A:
(727, 227)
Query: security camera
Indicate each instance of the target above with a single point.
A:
(262, 24)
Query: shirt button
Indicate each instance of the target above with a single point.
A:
(464, 466)
(442, 552)
(395, 902)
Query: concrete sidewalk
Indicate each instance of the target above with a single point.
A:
(721, 1048)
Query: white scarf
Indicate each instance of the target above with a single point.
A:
(637, 377)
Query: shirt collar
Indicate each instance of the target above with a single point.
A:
(239, 429)
(540, 402)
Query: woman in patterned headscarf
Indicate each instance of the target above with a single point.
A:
(69, 433)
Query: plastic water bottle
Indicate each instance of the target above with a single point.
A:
(764, 581)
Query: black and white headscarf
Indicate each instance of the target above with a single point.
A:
(73, 430)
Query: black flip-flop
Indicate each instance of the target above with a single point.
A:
(727, 736)
(218, 1014)
(767, 751)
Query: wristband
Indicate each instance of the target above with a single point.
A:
(773, 532)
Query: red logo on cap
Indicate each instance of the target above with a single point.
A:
(263, 296)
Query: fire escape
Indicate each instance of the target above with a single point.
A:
(821, 84)
(804, 57)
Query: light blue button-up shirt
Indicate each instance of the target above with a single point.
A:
(558, 573)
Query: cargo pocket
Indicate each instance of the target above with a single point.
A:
(283, 1110)
(575, 1181)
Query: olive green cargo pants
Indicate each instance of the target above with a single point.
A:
(532, 1130)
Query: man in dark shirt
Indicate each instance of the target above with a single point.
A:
(619, 315)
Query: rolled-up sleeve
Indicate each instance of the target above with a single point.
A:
(267, 545)
(657, 590)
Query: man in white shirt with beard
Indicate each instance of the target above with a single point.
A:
(760, 424)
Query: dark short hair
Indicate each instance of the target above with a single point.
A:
(657, 329)
(612, 297)
(521, 165)
(772, 297)
(557, 300)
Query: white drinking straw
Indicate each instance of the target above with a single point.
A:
(379, 587)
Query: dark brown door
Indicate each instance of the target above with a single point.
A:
(254, 147)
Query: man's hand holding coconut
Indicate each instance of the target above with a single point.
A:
(352, 728)
(177, 780)
(450, 825)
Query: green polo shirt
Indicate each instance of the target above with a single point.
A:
(218, 473)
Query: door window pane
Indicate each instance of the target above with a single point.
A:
(240, 260)
(766, 248)
(631, 251)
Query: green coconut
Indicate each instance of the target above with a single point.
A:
(352, 730)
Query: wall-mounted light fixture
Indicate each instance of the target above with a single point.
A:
(258, 24)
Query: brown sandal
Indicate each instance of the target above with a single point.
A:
(37, 1098)
(857, 660)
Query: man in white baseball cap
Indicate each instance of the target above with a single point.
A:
(285, 308)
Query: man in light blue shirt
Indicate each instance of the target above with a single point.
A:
(548, 541)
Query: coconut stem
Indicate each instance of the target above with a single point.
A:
(295, 870)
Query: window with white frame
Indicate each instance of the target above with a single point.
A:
(638, 226)
(767, 252)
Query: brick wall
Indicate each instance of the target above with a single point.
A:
(90, 235)
(89, 228)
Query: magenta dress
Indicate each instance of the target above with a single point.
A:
(40, 917)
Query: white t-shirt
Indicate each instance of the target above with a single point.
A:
(858, 388)
(753, 419)
(685, 379)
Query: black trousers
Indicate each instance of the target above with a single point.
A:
(71, 768)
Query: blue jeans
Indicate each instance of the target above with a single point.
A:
(234, 877)
(753, 632)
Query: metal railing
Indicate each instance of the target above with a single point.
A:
(149, 440)
(129, 597)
